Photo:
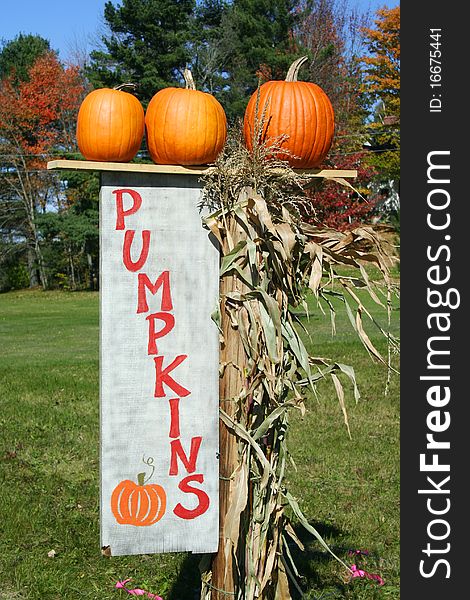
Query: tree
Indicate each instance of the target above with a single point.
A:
(258, 41)
(68, 238)
(208, 49)
(78, 230)
(382, 87)
(147, 44)
(37, 117)
(332, 32)
(17, 56)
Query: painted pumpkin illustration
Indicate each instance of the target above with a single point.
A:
(138, 504)
(299, 110)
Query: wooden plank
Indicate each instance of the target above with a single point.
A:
(325, 173)
(159, 367)
(87, 165)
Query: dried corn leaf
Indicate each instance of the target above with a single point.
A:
(282, 587)
(287, 237)
(269, 331)
(270, 419)
(229, 259)
(300, 516)
(290, 531)
(241, 432)
(340, 394)
(365, 338)
(238, 501)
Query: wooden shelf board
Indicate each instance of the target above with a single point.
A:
(88, 165)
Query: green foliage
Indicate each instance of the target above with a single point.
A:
(208, 46)
(147, 43)
(255, 39)
(261, 36)
(66, 236)
(385, 157)
(13, 272)
(17, 56)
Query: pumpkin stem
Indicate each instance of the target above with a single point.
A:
(149, 463)
(293, 71)
(133, 86)
(188, 78)
(140, 478)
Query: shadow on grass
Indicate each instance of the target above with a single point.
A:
(312, 560)
(309, 563)
(188, 583)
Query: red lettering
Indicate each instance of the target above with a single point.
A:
(203, 498)
(145, 283)
(168, 324)
(177, 451)
(121, 213)
(162, 376)
(174, 418)
(126, 250)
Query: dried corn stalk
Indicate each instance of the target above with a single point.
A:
(269, 260)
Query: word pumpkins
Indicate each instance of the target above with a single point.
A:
(185, 126)
(110, 125)
(298, 111)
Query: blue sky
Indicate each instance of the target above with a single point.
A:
(72, 25)
(65, 23)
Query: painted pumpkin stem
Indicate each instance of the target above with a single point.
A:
(293, 71)
(140, 478)
(132, 86)
(188, 78)
(149, 463)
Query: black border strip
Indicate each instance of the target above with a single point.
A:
(435, 327)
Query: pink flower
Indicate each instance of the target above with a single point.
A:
(136, 591)
(360, 573)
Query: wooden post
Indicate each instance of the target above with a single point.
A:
(232, 382)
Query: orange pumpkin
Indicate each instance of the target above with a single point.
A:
(298, 110)
(110, 125)
(185, 126)
(138, 504)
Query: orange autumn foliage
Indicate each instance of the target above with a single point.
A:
(382, 76)
(38, 115)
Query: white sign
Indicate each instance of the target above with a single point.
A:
(159, 356)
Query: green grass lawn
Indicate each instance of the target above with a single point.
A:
(49, 486)
(349, 488)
